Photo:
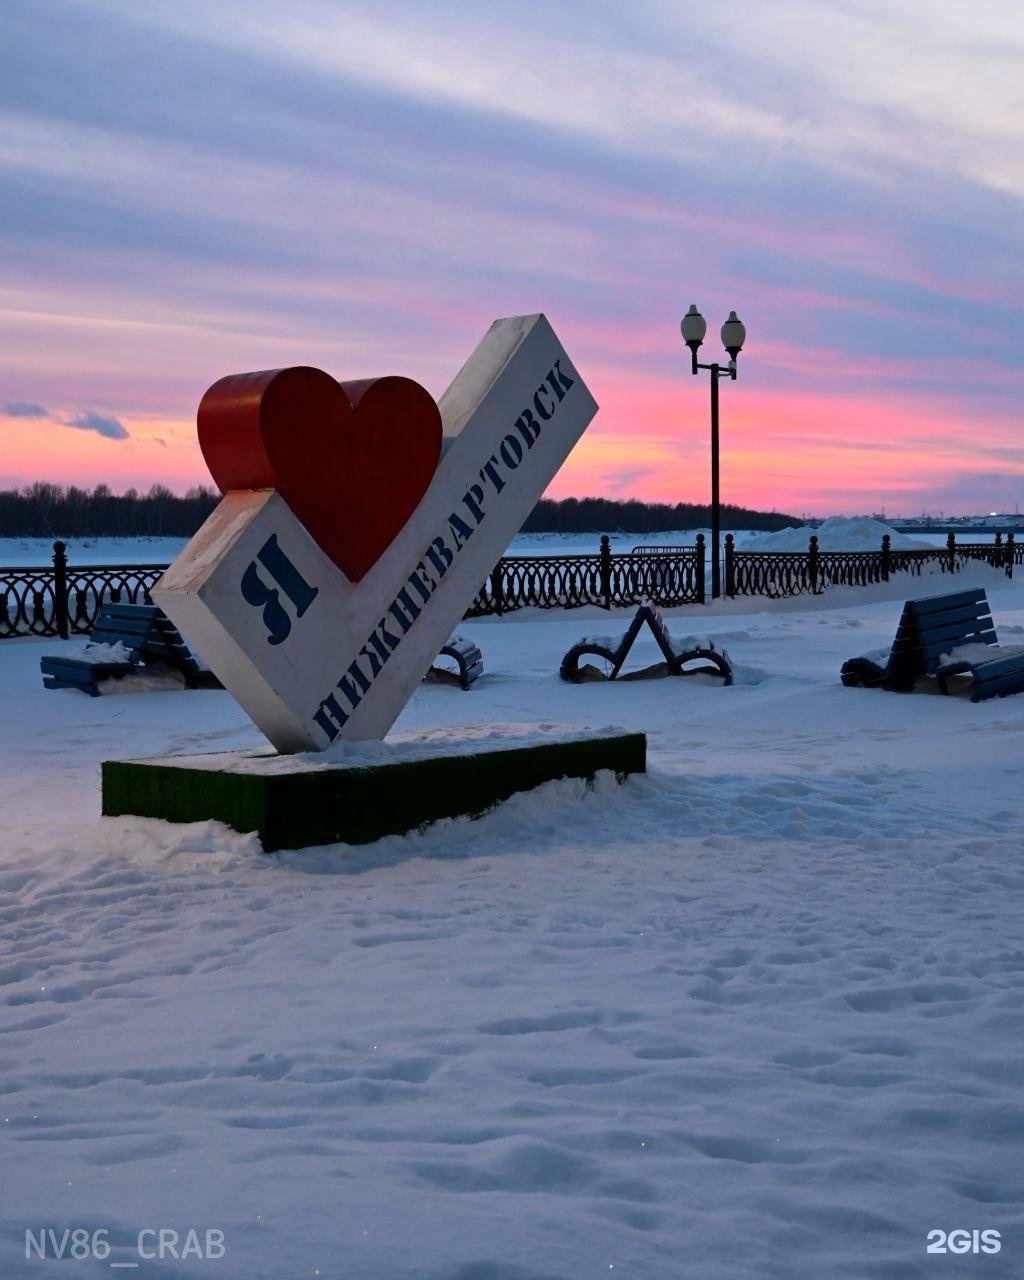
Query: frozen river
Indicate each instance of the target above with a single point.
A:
(16, 552)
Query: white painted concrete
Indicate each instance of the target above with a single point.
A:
(345, 660)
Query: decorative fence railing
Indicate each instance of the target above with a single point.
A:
(810, 572)
(61, 600)
(673, 575)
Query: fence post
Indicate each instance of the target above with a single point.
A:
(498, 589)
(730, 565)
(886, 556)
(60, 588)
(606, 570)
(812, 562)
(701, 557)
(1009, 554)
(951, 545)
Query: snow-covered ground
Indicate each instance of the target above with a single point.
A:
(755, 1014)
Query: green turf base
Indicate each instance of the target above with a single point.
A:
(354, 803)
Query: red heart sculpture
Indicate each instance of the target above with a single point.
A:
(351, 459)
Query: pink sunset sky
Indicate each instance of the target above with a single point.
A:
(196, 189)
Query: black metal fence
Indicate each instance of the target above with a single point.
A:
(668, 575)
(810, 572)
(61, 600)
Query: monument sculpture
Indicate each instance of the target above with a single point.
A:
(358, 522)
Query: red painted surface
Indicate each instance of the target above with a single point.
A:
(351, 459)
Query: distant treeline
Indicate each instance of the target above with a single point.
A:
(53, 511)
(608, 515)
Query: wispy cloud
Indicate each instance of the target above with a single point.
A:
(109, 427)
(86, 420)
(23, 409)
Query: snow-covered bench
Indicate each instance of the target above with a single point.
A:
(943, 636)
(125, 637)
(468, 659)
(677, 653)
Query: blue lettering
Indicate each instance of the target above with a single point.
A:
(528, 427)
(439, 555)
(384, 642)
(491, 469)
(256, 592)
(544, 412)
(275, 617)
(511, 452)
(459, 530)
(330, 717)
(349, 689)
(560, 382)
(404, 610)
(474, 497)
(287, 577)
(422, 581)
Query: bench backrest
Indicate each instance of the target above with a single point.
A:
(147, 631)
(167, 645)
(132, 625)
(932, 627)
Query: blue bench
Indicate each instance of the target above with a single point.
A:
(469, 661)
(124, 638)
(944, 636)
(676, 654)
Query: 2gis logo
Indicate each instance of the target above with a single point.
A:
(962, 1241)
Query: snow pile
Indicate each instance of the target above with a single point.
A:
(684, 644)
(100, 654)
(838, 533)
(976, 653)
(878, 657)
(604, 642)
(423, 744)
(746, 673)
(142, 680)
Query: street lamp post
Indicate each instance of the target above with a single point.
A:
(694, 327)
